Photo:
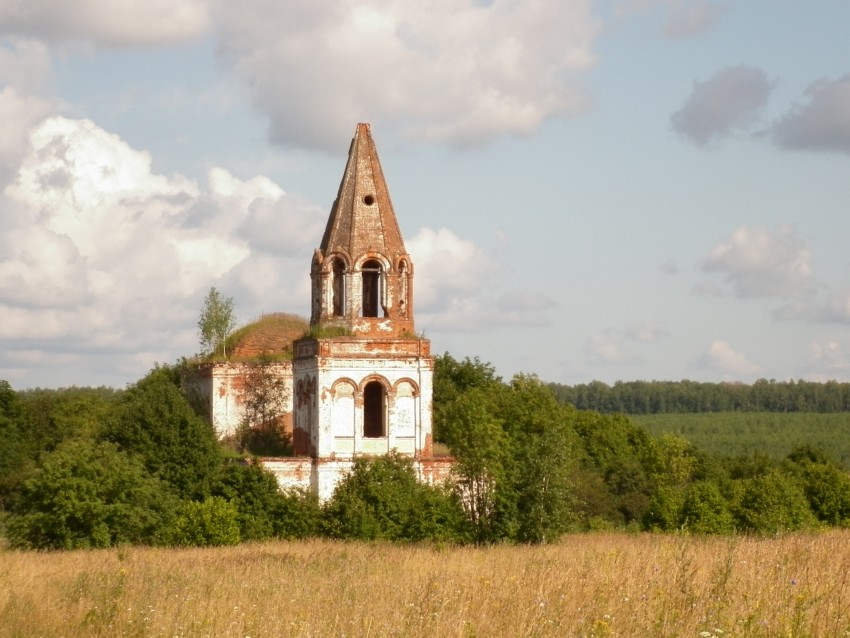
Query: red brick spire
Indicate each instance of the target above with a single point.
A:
(362, 275)
(362, 218)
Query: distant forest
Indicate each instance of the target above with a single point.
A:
(665, 397)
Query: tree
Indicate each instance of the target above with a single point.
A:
(54, 416)
(89, 495)
(616, 449)
(453, 378)
(264, 511)
(772, 504)
(153, 420)
(264, 399)
(481, 450)
(16, 451)
(216, 322)
(517, 459)
(546, 452)
(825, 484)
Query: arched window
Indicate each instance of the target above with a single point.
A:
(372, 276)
(402, 275)
(374, 410)
(339, 288)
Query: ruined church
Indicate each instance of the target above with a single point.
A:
(360, 383)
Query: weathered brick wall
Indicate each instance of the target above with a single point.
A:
(323, 475)
(330, 377)
(222, 386)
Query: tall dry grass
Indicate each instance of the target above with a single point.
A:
(589, 585)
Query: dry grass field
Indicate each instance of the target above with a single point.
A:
(586, 585)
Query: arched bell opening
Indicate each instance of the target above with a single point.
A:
(372, 273)
(338, 287)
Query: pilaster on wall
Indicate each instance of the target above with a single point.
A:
(331, 378)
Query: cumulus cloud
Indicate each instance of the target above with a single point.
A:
(25, 74)
(646, 331)
(721, 357)
(607, 348)
(835, 308)
(452, 276)
(829, 361)
(104, 256)
(18, 113)
(104, 260)
(759, 262)
(609, 345)
(447, 267)
(458, 288)
(108, 22)
(822, 122)
(25, 64)
(729, 102)
(459, 72)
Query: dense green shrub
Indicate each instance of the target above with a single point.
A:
(382, 499)
(826, 486)
(772, 503)
(54, 416)
(153, 420)
(89, 495)
(255, 494)
(211, 522)
(618, 451)
(705, 510)
(297, 515)
(827, 489)
(664, 511)
(264, 511)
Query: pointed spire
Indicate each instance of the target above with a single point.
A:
(362, 276)
(362, 219)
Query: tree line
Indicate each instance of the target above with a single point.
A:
(89, 467)
(658, 397)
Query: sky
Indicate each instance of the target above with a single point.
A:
(589, 190)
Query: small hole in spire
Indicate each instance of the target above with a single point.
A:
(368, 200)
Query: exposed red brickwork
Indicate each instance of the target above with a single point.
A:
(436, 471)
(271, 334)
(353, 347)
(301, 444)
(362, 276)
(428, 448)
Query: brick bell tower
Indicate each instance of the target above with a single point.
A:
(363, 382)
